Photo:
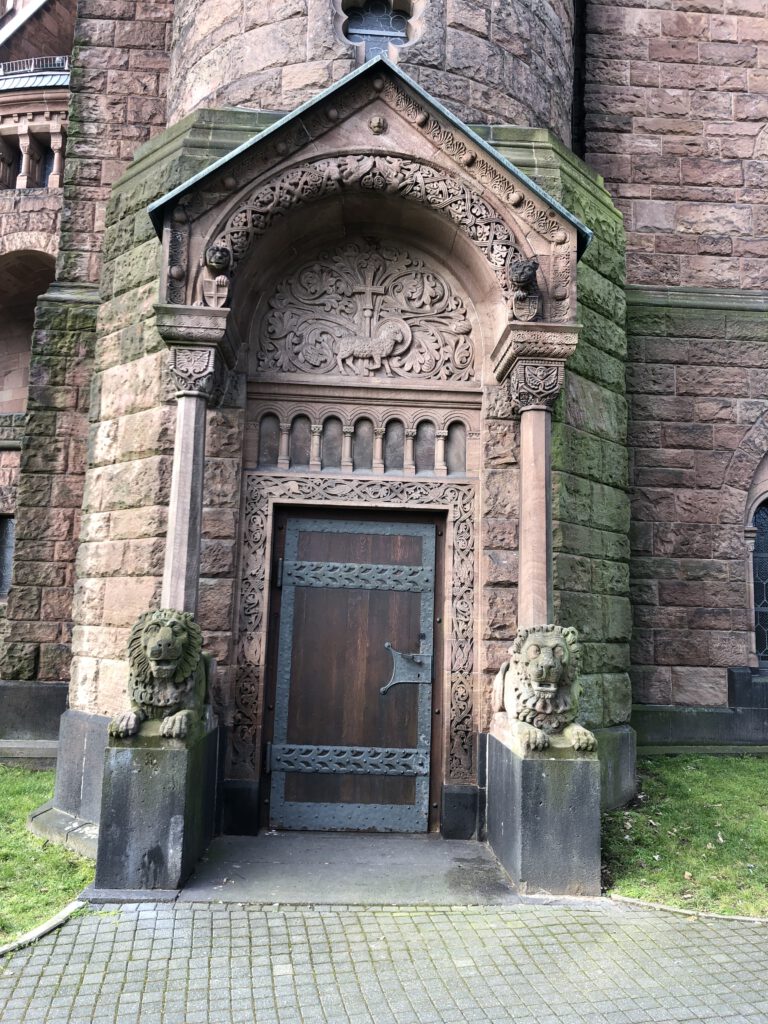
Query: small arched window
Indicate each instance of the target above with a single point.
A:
(376, 24)
(760, 571)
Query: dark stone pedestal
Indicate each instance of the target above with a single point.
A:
(616, 750)
(544, 818)
(157, 811)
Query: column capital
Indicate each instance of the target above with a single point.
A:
(532, 358)
(201, 349)
(536, 383)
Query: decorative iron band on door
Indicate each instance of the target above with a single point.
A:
(353, 700)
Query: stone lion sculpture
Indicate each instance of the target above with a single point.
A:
(168, 676)
(538, 688)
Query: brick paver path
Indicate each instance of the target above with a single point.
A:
(532, 964)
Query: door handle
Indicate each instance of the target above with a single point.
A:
(408, 668)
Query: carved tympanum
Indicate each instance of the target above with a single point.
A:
(538, 688)
(168, 676)
(367, 309)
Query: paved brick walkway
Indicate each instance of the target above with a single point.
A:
(531, 964)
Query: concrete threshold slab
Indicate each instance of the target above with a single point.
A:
(344, 868)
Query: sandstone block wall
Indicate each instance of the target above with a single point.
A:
(698, 433)
(117, 101)
(50, 491)
(676, 108)
(130, 443)
(490, 61)
(48, 32)
(118, 77)
(589, 457)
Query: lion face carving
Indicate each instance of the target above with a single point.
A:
(538, 687)
(217, 258)
(168, 675)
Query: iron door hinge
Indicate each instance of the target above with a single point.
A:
(408, 668)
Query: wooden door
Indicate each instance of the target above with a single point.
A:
(353, 686)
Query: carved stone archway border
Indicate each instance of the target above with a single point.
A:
(261, 492)
(407, 179)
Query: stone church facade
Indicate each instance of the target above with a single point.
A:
(465, 299)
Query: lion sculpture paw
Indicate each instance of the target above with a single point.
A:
(168, 678)
(538, 687)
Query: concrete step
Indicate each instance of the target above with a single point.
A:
(36, 754)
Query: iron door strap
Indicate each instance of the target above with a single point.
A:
(408, 668)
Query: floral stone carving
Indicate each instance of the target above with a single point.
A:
(538, 688)
(413, 181)
(260, 492)
(168, 680)
(365, 309)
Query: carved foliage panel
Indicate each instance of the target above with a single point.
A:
(458, 498)
(367, 308)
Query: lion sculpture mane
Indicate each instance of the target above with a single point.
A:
(168, 675)
(538, 688)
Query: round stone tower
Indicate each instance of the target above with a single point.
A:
(488, 61)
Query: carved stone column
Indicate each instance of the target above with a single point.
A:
(284, 452)
(347, 464)
(200, 352)
(533, 358)
(315, 450)
(57, 171)
(409, 460)
(378, 449)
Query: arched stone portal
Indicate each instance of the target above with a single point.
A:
(386, 301)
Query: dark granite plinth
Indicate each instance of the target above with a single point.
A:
(616, 749)
(458, 818)
(80, 768)
(31, 711)
(544, 819)
(157, 811)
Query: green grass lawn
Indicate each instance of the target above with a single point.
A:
(696, 837)
(37, 878)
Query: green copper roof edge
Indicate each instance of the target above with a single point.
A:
(156, 208)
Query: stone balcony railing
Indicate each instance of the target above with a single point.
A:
(34, 96)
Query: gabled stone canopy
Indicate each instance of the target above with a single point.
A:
(374, 133)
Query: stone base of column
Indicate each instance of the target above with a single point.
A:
(544, 815)
(157, 810)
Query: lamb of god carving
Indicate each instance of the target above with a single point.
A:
(367, 309)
